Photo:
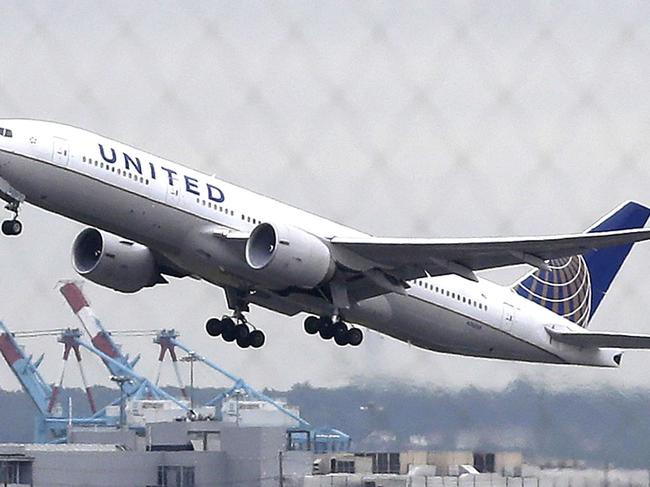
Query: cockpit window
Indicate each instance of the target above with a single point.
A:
(6, 132)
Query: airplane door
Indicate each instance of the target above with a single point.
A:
(509, 316)
(61, 152)
(173, 195)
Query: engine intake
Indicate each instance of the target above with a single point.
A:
(286, 256)
(113, 262)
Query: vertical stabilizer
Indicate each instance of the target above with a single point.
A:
(574, 287)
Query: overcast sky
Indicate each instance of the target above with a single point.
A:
(410, 119)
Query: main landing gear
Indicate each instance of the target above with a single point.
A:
(12, 227)
(338, 330)
(235, 329)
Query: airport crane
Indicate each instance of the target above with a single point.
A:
(51, 424)
(323, 439)
(306, 436)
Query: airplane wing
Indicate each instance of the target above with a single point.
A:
(601, 339)
(380, 265)
(409, 258)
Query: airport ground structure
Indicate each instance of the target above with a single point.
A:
(193, 454)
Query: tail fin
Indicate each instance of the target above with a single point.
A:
(574, 287)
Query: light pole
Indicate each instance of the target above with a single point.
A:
(121, 380)
(191, 358)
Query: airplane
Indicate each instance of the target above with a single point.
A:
(150, 219)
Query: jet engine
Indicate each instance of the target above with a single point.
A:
(286, 256)
(113, 262)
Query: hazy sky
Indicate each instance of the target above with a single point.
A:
(411, 119)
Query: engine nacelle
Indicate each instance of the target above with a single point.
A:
(286, 256)
(113, 262)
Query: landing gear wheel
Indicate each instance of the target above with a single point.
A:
(12, 227)
(242, 331)
(235, 329)
(256, 338)
(355, 337)
(341, 334)
(228, 333)
(244, 342)
(341, 339)
(312, 325)
(214, 327)
(326, 329)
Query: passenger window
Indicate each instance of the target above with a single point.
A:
(8, 133)
(2, 131)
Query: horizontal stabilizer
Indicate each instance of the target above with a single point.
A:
(601, 339)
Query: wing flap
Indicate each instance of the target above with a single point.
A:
(601, 339)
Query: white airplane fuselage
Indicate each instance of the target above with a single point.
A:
(174, 210)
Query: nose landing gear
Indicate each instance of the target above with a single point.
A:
(12, 227)
(338, 330)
